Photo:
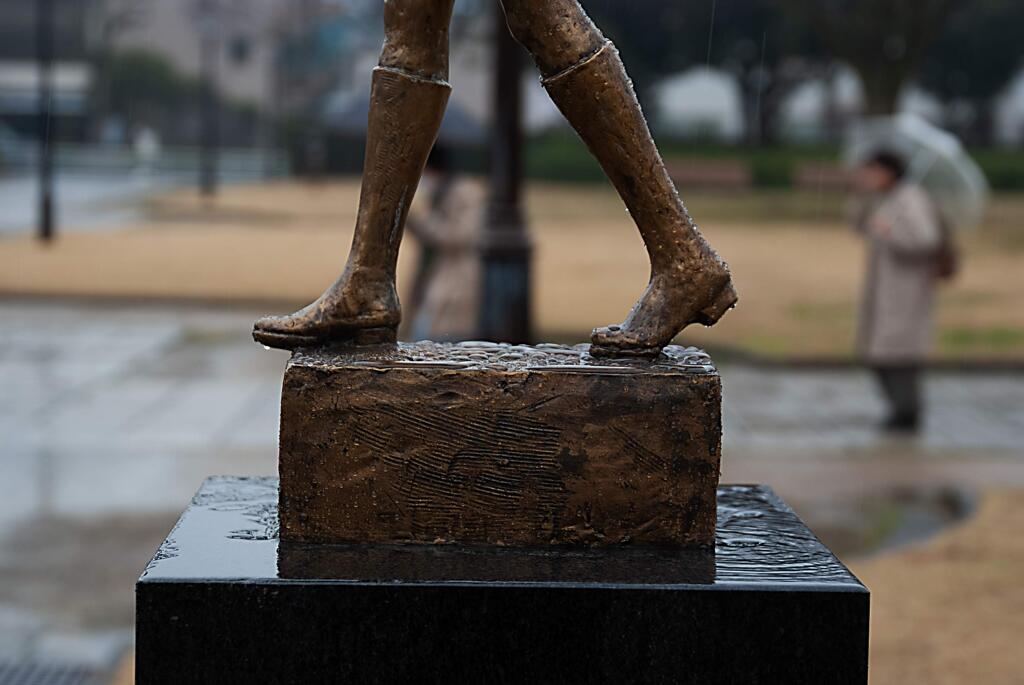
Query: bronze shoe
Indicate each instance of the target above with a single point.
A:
(362, 306)
(358, 309)
(662, 312)
(690, 283)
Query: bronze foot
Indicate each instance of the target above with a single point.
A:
(689, 282)
(360, 309)
(665, 308)
(291, 341)
(362, 306)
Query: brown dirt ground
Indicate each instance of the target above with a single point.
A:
(952, 610)
(797, 267)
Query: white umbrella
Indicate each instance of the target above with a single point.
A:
(935, 160)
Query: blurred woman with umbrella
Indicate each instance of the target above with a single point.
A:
(916, 184)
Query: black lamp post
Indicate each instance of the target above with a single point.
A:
(44, 55)
(208, 18)
(506, 248)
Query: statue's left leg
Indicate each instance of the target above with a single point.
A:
(407, 103)
(585, 77)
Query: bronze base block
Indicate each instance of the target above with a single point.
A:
(479, 443)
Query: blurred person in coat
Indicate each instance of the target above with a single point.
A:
(446, 291)
(907, 251)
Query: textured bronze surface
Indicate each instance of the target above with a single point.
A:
(406, 112)
(557, 33)
(416, 37)
(495, 444)
(689, 282)
(586, 79)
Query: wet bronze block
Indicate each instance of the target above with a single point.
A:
(496, 444)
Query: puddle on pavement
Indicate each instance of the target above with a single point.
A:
(881, 522)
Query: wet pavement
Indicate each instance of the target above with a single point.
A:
(111, 418)
(785, 410)
(86, 201)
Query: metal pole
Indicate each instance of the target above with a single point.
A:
(210, 136)
(506, 248)
(44, 53)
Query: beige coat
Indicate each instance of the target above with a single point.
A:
(449, 304)
(903, 233)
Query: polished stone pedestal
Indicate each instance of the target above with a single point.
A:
(224, 601)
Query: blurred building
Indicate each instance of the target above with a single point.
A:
(19, 73)
(702, 103)
(838, 100)
(284, 70)
(1009, 113)
(162, 49)
(244, 31)
(245, 48)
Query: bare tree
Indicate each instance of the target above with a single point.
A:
(884, 41)
(973, 62)
(105, 21)
(768, 53)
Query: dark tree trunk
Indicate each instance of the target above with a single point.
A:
(882, 88)
(761, 115)
(833, 115)
(763, 100)
(983, 124)
(883, 41)
(760, 109)
(753, 129)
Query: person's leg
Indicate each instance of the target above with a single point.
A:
(906, 382)
(883, 375)
(583, 74)
(407, 102)
(901, 387)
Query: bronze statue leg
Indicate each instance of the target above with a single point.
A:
(583, 74)
(407, 102)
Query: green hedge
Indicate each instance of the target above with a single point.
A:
(562, 157)
(1004, 169)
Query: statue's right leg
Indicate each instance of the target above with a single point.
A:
(407, 102)
(583, 74)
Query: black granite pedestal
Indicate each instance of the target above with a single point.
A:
(224, 601)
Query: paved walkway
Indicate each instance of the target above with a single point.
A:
(111, 417)
(786, 409)
(125, 410)
(85, 202)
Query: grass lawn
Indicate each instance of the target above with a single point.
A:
(797, 266)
